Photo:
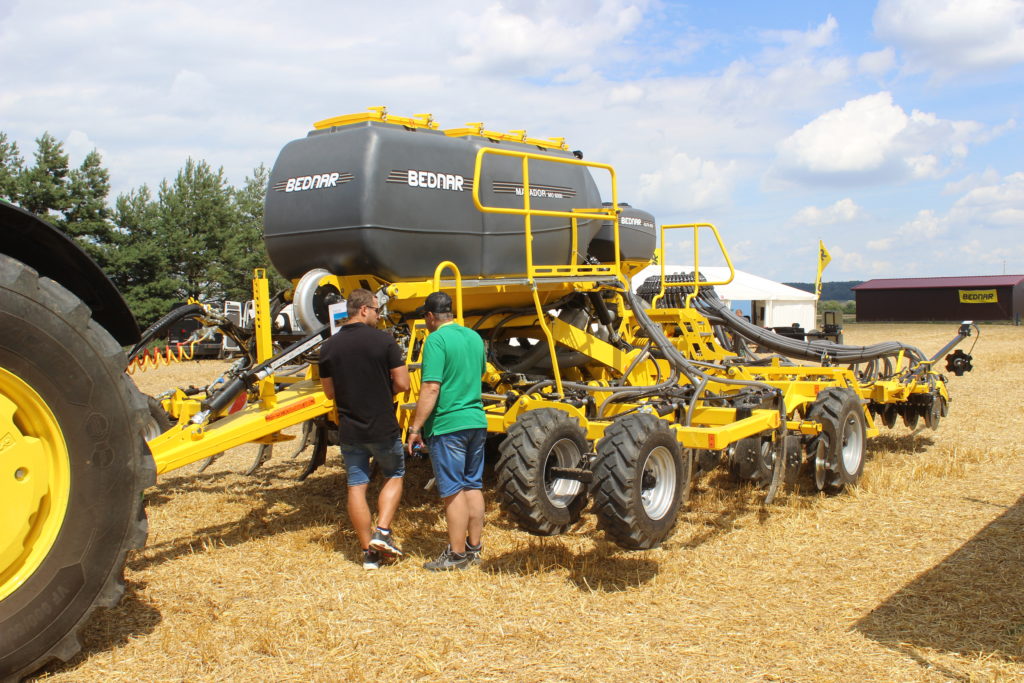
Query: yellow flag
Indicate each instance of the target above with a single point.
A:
(824, 258)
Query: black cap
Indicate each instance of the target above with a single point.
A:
(438, 302)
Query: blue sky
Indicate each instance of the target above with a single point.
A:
(890, 130)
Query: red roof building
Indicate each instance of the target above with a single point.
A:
(981, 297)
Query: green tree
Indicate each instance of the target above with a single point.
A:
(87, 218)
(197, 220)
(11, 167)
(44, 188)
(140, 263)
(245, 248)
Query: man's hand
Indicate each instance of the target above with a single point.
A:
(413, 440)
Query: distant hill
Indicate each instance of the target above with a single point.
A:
(830, 291)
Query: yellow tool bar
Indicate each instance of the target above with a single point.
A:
(187, 443)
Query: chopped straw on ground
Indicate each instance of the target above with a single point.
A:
(917, 574)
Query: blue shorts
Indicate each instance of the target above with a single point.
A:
(458, 460)
(389, 456)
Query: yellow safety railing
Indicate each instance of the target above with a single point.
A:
(458, 285)
(696, 284)
(610, 213)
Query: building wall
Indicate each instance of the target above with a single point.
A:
(936, 304)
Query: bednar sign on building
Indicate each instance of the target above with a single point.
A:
(978, 296)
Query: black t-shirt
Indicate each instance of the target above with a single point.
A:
(359, 359)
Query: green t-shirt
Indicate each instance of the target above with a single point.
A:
(454, 356)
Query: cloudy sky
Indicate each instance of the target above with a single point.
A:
(892, 131)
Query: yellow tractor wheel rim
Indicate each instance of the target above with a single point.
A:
(35, 476)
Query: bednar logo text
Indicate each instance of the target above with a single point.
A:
(978, 296)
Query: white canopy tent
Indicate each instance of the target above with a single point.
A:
(774, 304)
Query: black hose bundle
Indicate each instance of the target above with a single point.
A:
(157, 328)
(712, 307)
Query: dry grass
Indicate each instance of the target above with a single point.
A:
(918, 574)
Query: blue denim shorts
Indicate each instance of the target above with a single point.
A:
(389, 456)
(458, 460)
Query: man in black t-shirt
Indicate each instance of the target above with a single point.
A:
(361, 369)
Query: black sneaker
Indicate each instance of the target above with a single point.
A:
(447, 561)
(371, 559)
(384, 543)
(473, 552)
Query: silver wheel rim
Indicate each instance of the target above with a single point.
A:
(853, 444)
(561, 492)
(658, 482)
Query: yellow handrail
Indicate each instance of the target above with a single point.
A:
(458, 285)
(696, 261)
(610, 213)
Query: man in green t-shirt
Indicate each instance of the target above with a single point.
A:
(451, 413)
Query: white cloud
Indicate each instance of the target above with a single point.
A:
(78, 145)
(924, 226)
(843, 211)
(821, 35)
(871, 140)
(987, 177)
(686, 183)
(951, 36)
(878, 63)
(539, 37)
(1000, 205)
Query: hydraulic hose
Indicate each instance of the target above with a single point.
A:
(162, 324)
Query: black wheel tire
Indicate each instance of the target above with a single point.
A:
(159, 421)
(539, 440)
(844, 432)
(752, 460)
(76, 369)
(641, 479)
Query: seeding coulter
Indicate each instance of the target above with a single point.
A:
(598, 389)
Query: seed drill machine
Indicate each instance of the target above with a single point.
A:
(598, 390)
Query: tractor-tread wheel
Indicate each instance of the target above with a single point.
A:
(538, 440)
(844, 432)
(639, 456)
(72, 372)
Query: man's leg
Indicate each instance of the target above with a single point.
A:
(387, 501)
(474, 516)
(474, 474)
(357, 469)
(456, 513)
(359, 513)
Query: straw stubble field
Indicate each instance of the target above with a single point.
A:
(917, 574)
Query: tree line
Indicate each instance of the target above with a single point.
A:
(197, 236)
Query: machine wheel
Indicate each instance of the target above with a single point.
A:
(641, 478)
(73, 469)
(843, 437)
(752, 460)
(538, 501)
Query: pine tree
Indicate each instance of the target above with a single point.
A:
(140, 263)
(87, 218)
(44, 188)
(245, 249)
(196, 220)
(11, 167)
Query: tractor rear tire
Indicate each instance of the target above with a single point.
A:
(844, 433)
(539, 502)
(73, 469)
(641, 479)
